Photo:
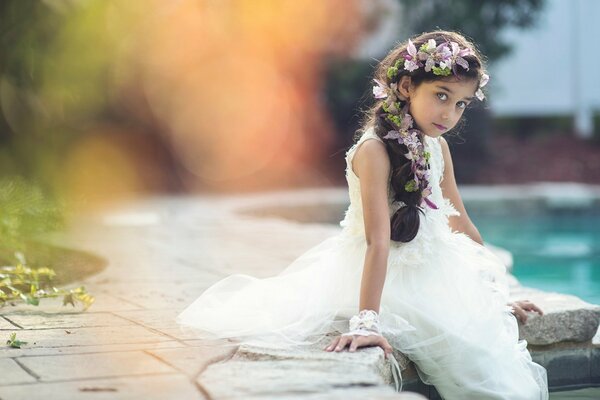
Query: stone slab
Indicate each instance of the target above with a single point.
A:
(162, 320)
(355, 393)
(103, 365)
(157, 319)
(12, 373)
(192, 361)
(103, 303)
(41, 320)
(276, 378)
(152, 387)
(6, 325)
(566, 318)
(106, 348)
(46, 338)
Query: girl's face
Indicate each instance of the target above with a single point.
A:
(437, 106)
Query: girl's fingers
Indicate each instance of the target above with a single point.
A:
(342, 343)
(333, 344)
(385, 346)
(355, 342)
(529, 306)
(520, 314)
(535, 308)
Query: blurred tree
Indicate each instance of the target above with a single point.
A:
(481, 20)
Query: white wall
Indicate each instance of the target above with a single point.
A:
(554, 68)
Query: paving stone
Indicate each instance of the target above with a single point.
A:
(152, 387)
(41, 320)
(103, 303)
(6, 325)
(83, 366)
(162, 321)
(13, 373)
(192, 361)
(46, 338)
(8, 352)
(156, 296)
(157, 319)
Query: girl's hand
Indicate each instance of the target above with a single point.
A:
(519, 308)
(340, 342)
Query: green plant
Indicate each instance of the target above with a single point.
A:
(29, 285)
(13, 342)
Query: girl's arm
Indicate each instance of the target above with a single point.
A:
(371, 164)
(461, 223)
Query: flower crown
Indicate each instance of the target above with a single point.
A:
(441, 60)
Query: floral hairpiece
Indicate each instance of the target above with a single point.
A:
(440, 59)
(419, 157)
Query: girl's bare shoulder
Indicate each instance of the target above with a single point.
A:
(371, 156)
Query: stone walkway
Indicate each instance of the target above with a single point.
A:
(162, 254)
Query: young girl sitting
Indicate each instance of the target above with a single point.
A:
(409, 269)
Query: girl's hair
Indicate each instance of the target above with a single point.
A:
(405, 222)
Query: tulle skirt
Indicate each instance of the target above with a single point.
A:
(444, 305)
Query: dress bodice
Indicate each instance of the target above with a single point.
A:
(353, 219)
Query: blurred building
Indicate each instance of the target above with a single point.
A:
(552, 70)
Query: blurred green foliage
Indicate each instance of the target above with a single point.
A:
(55, 64)
(25, 213)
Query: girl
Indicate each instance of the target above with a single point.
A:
(409, 262)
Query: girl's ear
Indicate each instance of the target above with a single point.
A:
(404, 87)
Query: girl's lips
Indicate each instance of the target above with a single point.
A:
(440, 127)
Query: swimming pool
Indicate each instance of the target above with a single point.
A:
(553, 252)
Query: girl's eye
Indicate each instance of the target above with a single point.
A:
(444, 96)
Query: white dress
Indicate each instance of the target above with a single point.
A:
(444, 302)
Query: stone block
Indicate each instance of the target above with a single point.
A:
(154, 387)
(52, 338)
(566, 318)
(280, 377)
(33, 319)
(568, 367)
(354, 393)
(103, 365)
(192, 361)
(12, 373)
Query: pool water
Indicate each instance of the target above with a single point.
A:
(558, 252)
(581, 394)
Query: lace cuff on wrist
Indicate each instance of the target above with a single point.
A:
(366, 323)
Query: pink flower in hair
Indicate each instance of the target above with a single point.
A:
(411, 61)
(484, 80)
(379, 91)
